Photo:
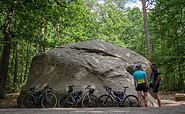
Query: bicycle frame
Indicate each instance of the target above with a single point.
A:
(38, 95)
(116, 98)
(43, 92)
(75, 102)
(38, 98)
(80, 99)
(73, 99)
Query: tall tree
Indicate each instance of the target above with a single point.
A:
(147, 35)
(6, 49)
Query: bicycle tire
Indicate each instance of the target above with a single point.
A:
(66, 101)
(28, 101)
(49, 100)
(89, 100)
(131, 101)
(105, 101)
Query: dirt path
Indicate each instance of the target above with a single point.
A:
(167, 100)
(8, 103)
(13, 103)
(110, 110)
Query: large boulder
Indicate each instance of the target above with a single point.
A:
(93, 62)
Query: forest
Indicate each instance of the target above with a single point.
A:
(30, 27)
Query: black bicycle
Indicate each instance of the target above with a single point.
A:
(44, 98)
(117, 98)
(78, 98)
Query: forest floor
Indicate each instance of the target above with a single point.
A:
(168, 99)
(10, 101)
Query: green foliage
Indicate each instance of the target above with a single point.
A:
(135, 38)
(169, 18)
(111, 22)
(41, 25)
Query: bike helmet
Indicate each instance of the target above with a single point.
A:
(138, 66)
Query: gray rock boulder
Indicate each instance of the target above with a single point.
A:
(93, 62)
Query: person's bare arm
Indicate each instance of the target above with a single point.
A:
(157, 80)
(134, 82)
(146, 80)
(151, 77)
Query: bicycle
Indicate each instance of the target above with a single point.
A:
(44, 98)
(120, 98)
(76, 98)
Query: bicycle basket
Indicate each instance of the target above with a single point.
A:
(77, 94)
(118, 94)
(91, 90)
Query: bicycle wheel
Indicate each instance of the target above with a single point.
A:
(131, 101)
(49, 101)
(66, 101)
(89, 101)
(105, 101)
(28, 101)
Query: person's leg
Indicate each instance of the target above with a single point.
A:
(156, 94)
(139, 98)
(146, 99)
(158, 99)
(145, 91)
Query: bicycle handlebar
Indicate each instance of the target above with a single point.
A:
(109, 89)
(47, 88)
(88, 87)
(125, 87)
(32, 88)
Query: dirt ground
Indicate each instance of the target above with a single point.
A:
(168, 99)
(10, 101)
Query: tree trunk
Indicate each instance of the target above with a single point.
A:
(6, 51)
(27, 61)
(21, 67)
(180, 79)
(42, 41)
(9, 80)
(147, 35)
(15, 70)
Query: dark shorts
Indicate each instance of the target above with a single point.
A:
(156, 88)
(141, 87)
